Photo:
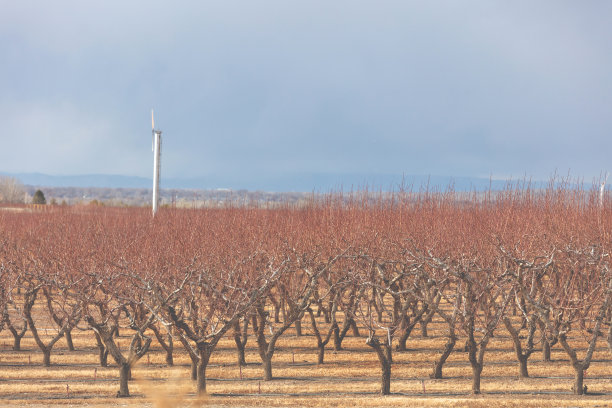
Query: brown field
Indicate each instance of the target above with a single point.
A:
(348, 378)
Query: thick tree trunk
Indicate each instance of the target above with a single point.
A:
(240, 342)
(401, 341)
(407, 327)
(45, 348)
(546, 343)
(167, 345)
(266, 348)
(124, 377)
(103, 354)
(523, 372)
(321, 353)
(169, 359)
(385, 384)
(169, 349)
(320, 342)
(580, 366)
(521, 356)
(384, 357)
(476, 356)
(47, 357)
(241, 354)
(298, 327)
(337, 338)
(353, 325)
(545, 350)
(326, 312)
(102, 351)
(339, 335)
(267, 366)
(194, 370)
(204, 356)
(17, 334)
(448, 349)
(476, 372)
(578, 388)
(68, 336)
(17, 343)
(424, 324)
(138, 348)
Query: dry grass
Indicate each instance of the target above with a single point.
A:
(348, 378)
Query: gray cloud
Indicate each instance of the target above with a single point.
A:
(469, 88)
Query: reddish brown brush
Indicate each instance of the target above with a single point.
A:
(536, 262)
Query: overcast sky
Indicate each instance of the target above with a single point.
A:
(255, 89)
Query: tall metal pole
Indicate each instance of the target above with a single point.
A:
(156, 167)
(602, 189)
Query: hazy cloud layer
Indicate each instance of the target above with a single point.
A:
(256, 89)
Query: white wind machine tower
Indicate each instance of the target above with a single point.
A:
(156, 147)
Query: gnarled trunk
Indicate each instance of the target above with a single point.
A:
(240, 349)
(337, 338)
(476, 373)
(339, 335)
(267, 348)
(45, 348)
(46, 357)
(194, 370)
(167, 345)
(68, 336)
(204, 353)
(321, 343)
(424, 322)
(267, 367)
(579, 388)
(448, 349)
(354, 327)
(321, 354)
(240, 338)
(545, 350)
(102, 351)
(406, 331)
(124, 377)
(523, 372)
(384, 357)
(521, 356)
(17, 333)
(476, 357)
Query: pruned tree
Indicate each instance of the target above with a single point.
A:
(334, 285)
(527, 281)
(576, 292)
(103, 304)
(393, 285)
(297, 286)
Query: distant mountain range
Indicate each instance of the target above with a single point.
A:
(303, 182)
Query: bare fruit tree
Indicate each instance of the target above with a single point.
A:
(11, 190)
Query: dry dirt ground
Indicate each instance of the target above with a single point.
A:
(349, 378)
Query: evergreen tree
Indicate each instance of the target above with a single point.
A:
(39, 198)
